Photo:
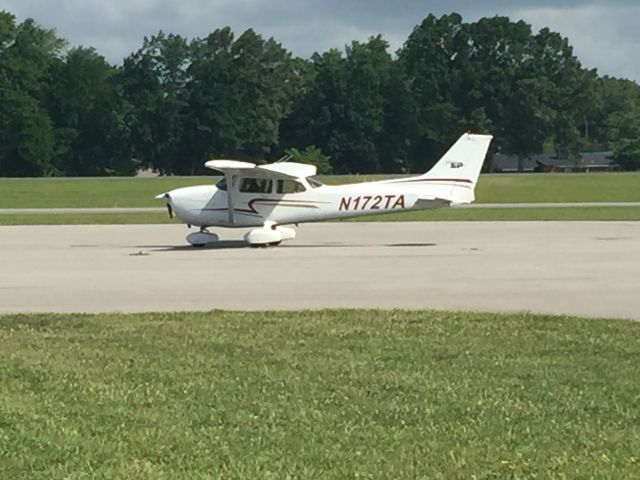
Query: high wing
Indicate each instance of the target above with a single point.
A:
(290, 169)
(272, 170)
(235, 168)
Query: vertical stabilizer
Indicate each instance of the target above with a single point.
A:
(460, 166)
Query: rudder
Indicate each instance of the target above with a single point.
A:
(461, 166)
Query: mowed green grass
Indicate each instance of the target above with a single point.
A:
(587, 187)
(90, 192)
(89, 219)
(318, 395)
(140, 192)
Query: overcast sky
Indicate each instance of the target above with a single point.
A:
(605, 34)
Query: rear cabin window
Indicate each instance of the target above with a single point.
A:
(289, 186)
(256, 185)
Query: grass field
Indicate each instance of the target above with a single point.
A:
(89, 192)
(329, 394)
(89, 219)
(140, 192)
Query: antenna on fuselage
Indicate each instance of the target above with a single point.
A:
(286, 158)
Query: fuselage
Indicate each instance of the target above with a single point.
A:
(272, 195)
(209, 205)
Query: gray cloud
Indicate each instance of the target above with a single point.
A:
(604, 33)
(603, 37)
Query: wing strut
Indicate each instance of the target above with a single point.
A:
(229, 180)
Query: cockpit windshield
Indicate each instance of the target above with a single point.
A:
(222, 184)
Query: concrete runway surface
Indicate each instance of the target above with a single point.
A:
(580, 268)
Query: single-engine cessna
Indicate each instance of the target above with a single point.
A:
(272, 196)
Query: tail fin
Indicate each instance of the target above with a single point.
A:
(460, 166)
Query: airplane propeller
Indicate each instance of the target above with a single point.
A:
(167, 199)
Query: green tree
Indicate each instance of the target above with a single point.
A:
(239, 91)
(174, 104)
(627, 152)
(27, 141)
(614, 122)
(572, 93)
(310, 120)
(369, 69)
(494, 75)
(313, 156)
(394, 141)
(624, 137)
(448, 83)
(154, 80)
(350, 100)
(88, 110)
(613, 96)
(514, 87)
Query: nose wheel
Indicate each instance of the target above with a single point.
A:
(202, 238)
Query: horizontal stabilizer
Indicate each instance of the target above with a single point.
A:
(424, 203)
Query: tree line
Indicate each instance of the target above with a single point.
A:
(175, 103)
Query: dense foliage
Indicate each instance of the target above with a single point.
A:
(175, 103)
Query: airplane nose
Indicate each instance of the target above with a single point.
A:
(186, 203)
(167, 199)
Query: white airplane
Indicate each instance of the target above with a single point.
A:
(284, 193)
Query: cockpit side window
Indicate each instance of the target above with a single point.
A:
(256, 185)
(289, 186)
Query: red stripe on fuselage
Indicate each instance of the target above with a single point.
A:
(441, 180)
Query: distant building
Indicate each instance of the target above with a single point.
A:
(588, 162)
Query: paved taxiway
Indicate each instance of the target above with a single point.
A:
(581, 268)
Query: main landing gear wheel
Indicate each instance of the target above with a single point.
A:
(269, 236)
(202, 238)
(264, 245)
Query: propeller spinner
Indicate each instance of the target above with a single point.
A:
(167, 199)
